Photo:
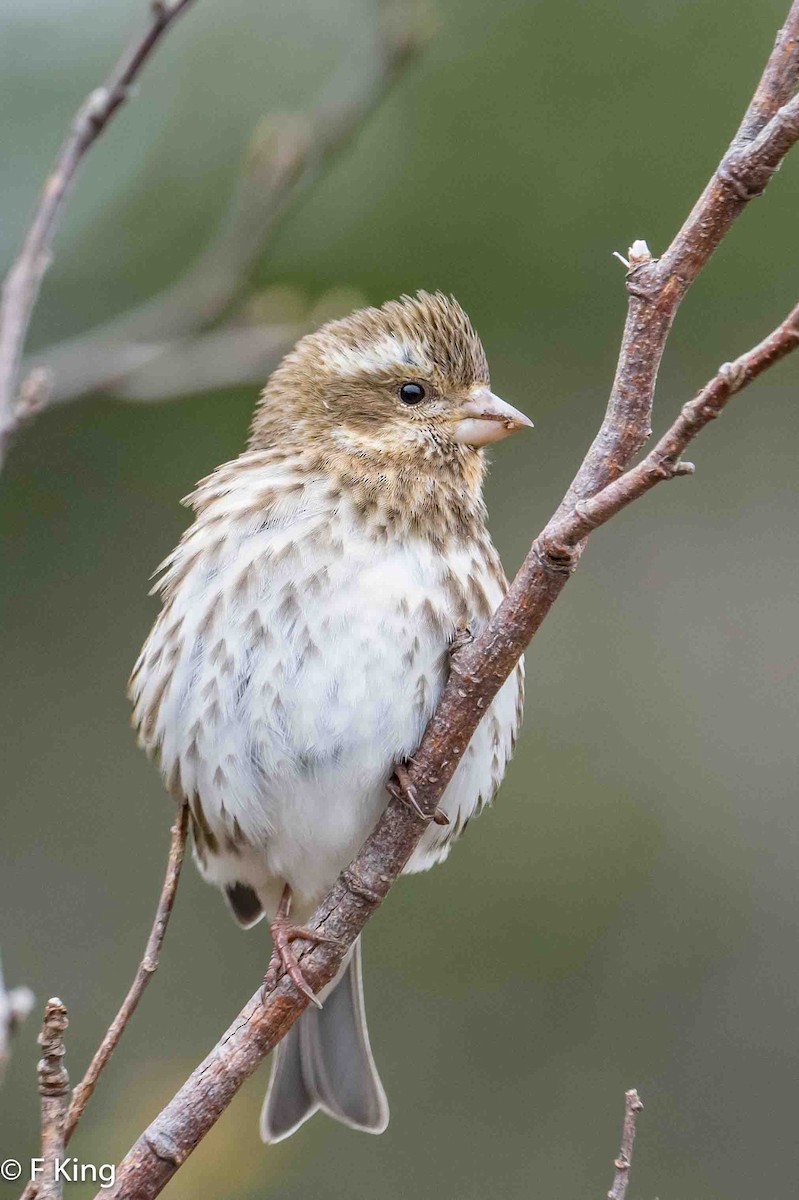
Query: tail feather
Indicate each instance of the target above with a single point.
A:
(244, 902)
(288, 1102)
(325, 1062)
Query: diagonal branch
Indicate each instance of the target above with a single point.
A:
(288, 155)
(22, 284)
(231, 356)
(663, 461)
(144, 973)
(656, 287)
(83, 1092)
(480, 668)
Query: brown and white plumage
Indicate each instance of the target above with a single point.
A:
(303, 642)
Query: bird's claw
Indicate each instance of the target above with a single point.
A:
(283, 957)
(283, 934)
(463, 638)
(400, 786)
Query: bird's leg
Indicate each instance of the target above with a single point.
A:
(400, 785)
(283, 934)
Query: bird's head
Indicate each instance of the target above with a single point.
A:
(402, 386)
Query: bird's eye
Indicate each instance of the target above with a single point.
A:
(411, 393)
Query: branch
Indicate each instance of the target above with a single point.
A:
(657, 287)
(22, 284)
(480, 668)
(632, 1107)
(144, 973)
(287, 156)
(53, 1089)
(663, 461)
(223, 358)
(14, 1008)
(146, 969)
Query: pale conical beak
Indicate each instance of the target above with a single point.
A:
(485, 418)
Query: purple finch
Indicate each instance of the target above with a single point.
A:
(304, 640)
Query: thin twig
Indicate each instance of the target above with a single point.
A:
(147, 967)
(632, 1107)
(22, 284)
(480, 667)
(15, 1005)
(144, 973)
(287, 156)
(656, 287)
(663, 461)
(161, 370)
(229, 357)
(53, 1089)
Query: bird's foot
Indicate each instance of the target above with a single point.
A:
(463, 638)
(284, 933)
(400, 785)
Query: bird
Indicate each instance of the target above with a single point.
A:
(305, 634)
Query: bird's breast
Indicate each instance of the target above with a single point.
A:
(294, 662)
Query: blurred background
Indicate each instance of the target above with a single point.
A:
(626, 915)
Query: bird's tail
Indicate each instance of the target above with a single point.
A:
(325, 1062)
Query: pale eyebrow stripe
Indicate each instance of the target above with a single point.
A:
(384, 354)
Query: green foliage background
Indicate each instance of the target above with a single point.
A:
(627, 913)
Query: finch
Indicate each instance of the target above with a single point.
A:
(304, 639)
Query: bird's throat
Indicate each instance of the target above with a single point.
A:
(438, 498)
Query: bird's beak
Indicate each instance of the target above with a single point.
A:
(485, 418)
